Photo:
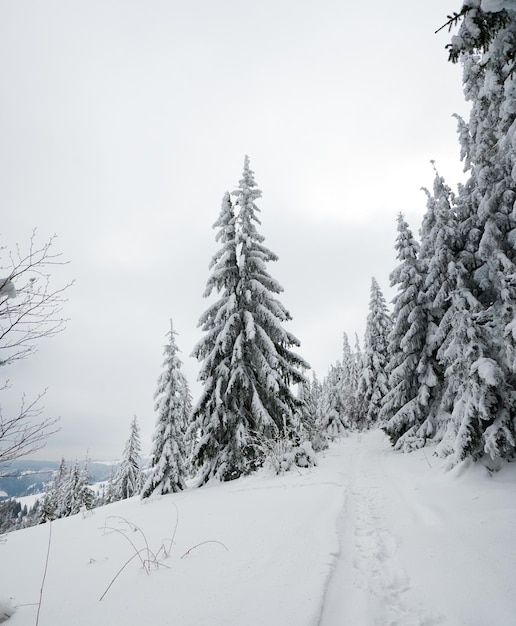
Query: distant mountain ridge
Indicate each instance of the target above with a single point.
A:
(24, 477)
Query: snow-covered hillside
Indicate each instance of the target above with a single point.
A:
(370, 537)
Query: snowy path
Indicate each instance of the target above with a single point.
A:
(370, 583)
(369, 537)
(417, 546)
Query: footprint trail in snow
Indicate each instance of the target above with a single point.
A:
(370, 585)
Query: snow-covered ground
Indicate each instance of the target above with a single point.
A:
(368, 538)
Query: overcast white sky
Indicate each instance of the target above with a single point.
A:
(122, 124)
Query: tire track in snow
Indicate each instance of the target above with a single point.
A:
(369, 585)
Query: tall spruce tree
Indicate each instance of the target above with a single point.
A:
(400, 407)
(356, 373)
(173, 405)
(467, 371)
(128, 481)
(373, 384)
(350, 377)
(248, 367)
(440, 245)
(478, 352)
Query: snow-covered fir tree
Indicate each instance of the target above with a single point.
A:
(356, 372)
(77, 494)
(303, 395)
(440, 243)
(315, 396)
(173, 405)
(467, 369)
(400, 406)
(310, 396)
(351, 363)
(52, 504)
(479, 349)
(128, 481)
(12, 516)
(334, 420)
(474, 377)
(373, 384)
(306, 413)
(71, 491)
(248, 367)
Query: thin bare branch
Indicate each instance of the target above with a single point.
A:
(30, 310)
(26, 431)
(30, 307)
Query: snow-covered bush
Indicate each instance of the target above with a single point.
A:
(281, 455)
(304, 455)
(318, 440)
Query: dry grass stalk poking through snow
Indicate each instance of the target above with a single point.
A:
(148, 558)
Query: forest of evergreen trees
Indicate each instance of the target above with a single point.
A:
(437, 369)
(440, 367)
